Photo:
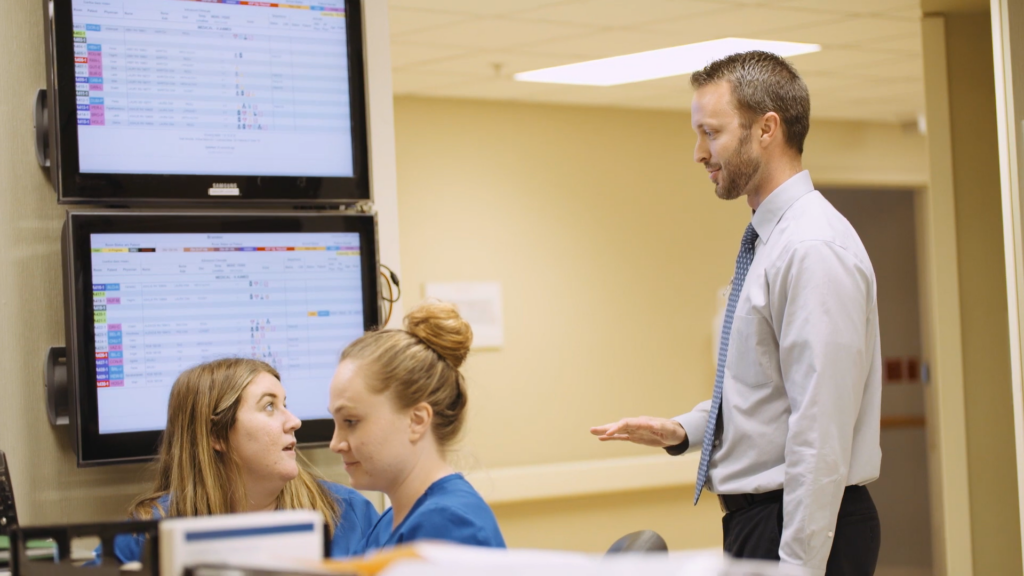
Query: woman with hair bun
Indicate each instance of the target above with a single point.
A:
(399, 401)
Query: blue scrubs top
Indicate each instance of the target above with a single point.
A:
(449, 510)
(358, 517)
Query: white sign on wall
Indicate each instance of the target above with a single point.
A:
(479, 303)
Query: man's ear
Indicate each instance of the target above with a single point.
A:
(770, 128)
(420, 418)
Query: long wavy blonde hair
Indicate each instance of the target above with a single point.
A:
(202, 481)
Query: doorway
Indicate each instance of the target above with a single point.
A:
(884, 219)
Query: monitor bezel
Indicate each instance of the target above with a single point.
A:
(93, 448)
(75, 187)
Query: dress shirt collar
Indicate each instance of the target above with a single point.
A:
(775, 205)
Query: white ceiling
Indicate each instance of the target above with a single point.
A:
(870, 67)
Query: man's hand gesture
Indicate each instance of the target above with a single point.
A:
(645, 430)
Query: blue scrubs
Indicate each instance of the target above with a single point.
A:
(358, 517)
(449, 510)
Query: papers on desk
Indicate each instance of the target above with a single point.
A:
(442, 559)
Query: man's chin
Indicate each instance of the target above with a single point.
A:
(724, 193)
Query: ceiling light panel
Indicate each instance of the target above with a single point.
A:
(658, 63)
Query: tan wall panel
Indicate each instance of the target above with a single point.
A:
(986, 352)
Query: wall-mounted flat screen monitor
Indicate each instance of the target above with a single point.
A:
(200, 101)
(150, 295)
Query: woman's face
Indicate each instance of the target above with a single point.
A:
(371, 434)
(263, 436)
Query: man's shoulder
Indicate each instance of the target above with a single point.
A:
(814, 219)
(812, 224)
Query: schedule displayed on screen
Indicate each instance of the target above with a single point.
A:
(166, 302)
(213, 87)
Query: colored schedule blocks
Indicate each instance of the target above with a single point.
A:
(110, 362)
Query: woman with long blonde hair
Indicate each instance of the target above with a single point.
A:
(229, 446)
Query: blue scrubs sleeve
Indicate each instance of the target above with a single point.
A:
(128, 547)
(358, 517)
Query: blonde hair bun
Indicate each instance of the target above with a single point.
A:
(439, 326)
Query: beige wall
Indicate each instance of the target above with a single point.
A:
(47, 486)
(1007, 28)
(966, 332)
(610, 246)
(986, 353)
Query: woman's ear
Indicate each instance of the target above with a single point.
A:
(218, 446)
(420, 417)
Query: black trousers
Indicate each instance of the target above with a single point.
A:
(755, 532)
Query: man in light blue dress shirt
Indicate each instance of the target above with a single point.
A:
(794, 435)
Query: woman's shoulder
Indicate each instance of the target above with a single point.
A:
(163, 503)
(455, 522)
(159, 507)
(454, 510)
(453, 488)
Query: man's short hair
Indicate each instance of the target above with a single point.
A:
(763, 82)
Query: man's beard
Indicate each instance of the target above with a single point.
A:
(738, 171)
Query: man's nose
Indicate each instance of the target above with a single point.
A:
(701, 154)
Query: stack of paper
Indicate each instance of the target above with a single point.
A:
(443, 559)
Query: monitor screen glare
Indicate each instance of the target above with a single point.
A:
(165, 302)
(207, 87)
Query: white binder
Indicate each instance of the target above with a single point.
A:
(253, 540)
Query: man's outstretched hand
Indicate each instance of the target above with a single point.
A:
(645, 430)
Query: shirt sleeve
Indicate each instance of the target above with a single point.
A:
(358, 517)
(128, 547)
(366, 514)
(821, 307)
(694, 423)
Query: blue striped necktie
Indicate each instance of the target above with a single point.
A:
(743, 260)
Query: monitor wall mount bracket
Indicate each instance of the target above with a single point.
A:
(41, 122)
(55, 378)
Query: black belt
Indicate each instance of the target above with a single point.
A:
(736, 502)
